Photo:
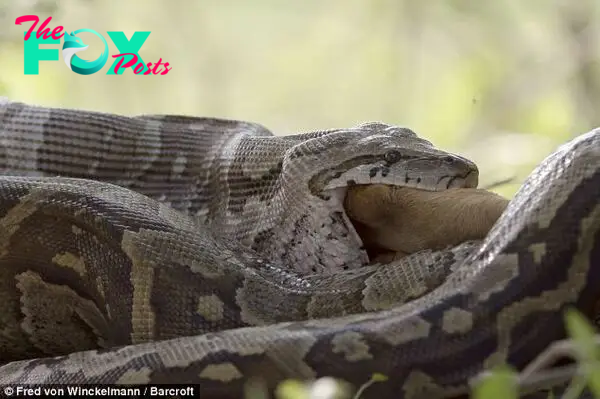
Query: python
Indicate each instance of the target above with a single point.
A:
(128, 49)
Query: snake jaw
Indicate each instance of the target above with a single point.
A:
(339, 197)
(470, 180)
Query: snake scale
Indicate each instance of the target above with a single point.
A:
(157, 249)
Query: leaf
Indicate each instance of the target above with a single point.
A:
(291, 389)
(500, 383)
(583, 334)
(378, 377)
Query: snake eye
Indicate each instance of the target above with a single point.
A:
(392, 156)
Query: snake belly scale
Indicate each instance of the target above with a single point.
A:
(155, 249)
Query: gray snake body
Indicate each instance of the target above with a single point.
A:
(178, 249)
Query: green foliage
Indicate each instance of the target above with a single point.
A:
(501, 383)
(587, 353)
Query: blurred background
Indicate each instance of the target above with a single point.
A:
(503, 83)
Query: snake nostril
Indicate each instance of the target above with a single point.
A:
(449, 159)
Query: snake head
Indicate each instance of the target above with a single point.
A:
(378, 153)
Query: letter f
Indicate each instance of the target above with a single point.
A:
(33, 54)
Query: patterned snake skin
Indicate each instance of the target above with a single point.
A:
(195, 250)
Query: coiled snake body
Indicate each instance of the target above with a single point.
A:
(178, 249)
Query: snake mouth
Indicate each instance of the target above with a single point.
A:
(394, 221)
(470, 180)
(363, 233)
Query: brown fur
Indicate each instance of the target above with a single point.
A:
(397, 221)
